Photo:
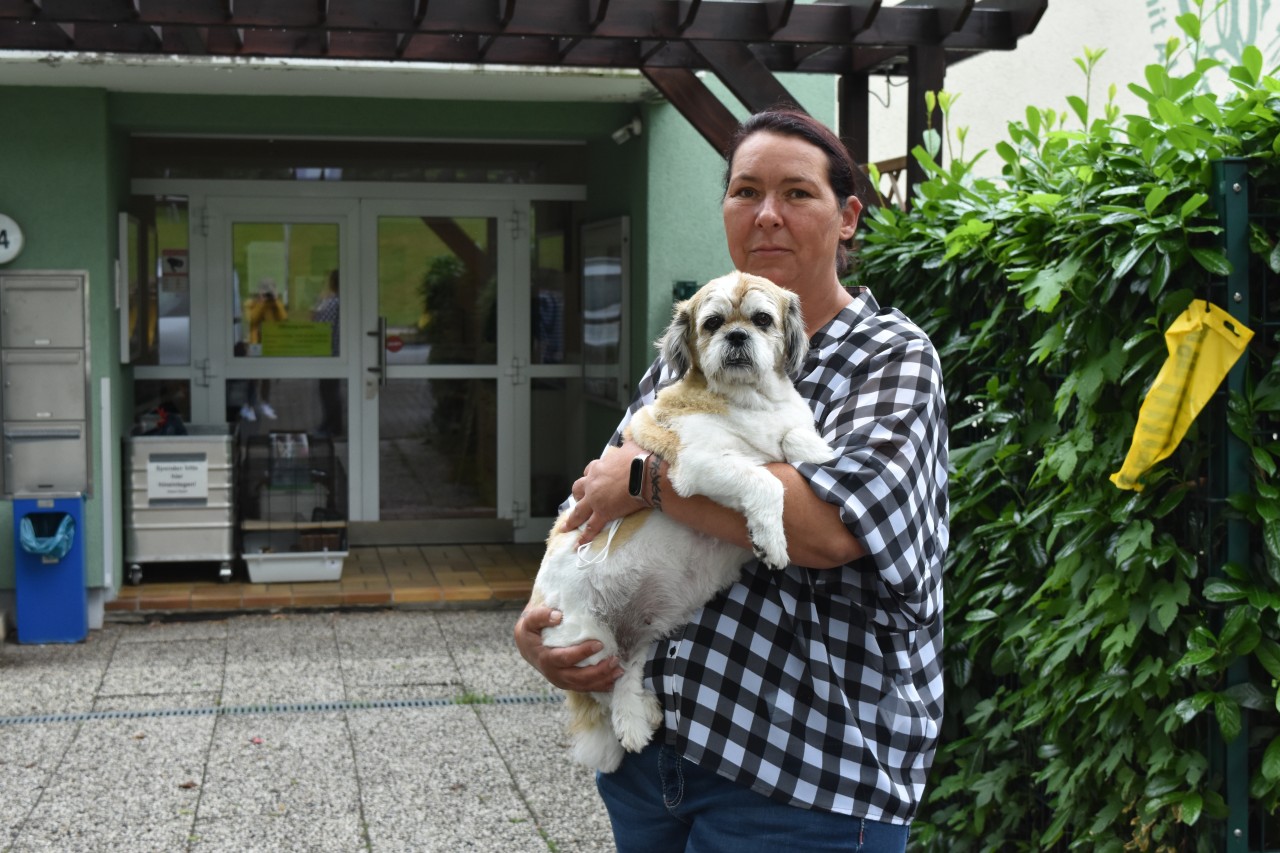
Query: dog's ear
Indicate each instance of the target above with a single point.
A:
(797, 343)
(675, 345)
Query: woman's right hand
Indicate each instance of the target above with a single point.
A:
(560, 665)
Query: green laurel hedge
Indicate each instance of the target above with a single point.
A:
(1088, 633)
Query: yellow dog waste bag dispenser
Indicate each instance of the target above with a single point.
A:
(1203, 342)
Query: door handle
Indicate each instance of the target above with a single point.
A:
(381, 334)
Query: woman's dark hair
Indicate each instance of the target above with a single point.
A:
(845, 178)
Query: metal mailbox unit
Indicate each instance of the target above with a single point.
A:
(180, 502)
(44, 362)
(44, 428)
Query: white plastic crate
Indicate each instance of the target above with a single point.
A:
(289, 566)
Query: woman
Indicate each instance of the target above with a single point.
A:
(801, 707)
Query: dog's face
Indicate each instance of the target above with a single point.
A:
(736, 328)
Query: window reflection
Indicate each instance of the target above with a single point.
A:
(159, 290)
(438, 449)
(555, 311)
(437, 287)
(315, 406)
(160, 403)
(282, 275)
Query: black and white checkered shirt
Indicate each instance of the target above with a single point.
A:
(823, 688)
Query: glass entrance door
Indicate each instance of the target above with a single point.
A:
(275, 355)
(385, 332)
(437, 395)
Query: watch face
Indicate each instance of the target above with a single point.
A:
(636, 479)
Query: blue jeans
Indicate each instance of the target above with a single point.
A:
(658, 803)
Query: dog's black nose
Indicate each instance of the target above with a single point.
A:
(737, 337)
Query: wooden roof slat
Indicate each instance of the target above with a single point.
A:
(832, 23)
(74, 11)
(183, 39)
(951, 14)
(596, 12)
(777, 13)
(37, 35)
(693, 100)
(688, 13)
(745, 76)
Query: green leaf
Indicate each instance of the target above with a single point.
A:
(1141, 92)
(1195, 657)
(1206, 107)
(1263, 460)
(1191, 807)
(1252, 61)
(1079, 107)
(1223, 591)
(1157, 195)
(1169, 112)
(1268, 654)
(981, 615)
(1248, 696)
(1271, 538)
(1193, 204)
(1212, 260)
(1134, 536)
(1043, 290)
(1189, 23)
(1167, 600)
(1228, 714)
(1271, 761)
(1188, 708)
(966, 236)
(1045, 201)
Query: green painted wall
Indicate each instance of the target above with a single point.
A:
(63, 177)
(59, 181)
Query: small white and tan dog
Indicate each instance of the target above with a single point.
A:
(733, 345)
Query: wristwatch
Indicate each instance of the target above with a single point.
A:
(635, 482)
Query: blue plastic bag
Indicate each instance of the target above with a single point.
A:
(56, 546)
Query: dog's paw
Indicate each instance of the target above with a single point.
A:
(770, 548)
(634, 722)
(805, 445)
(598, 749)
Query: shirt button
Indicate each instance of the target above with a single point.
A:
(671, 652)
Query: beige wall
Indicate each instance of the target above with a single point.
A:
(996, 88)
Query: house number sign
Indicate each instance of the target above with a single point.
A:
(10, 239)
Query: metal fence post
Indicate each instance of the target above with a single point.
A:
(1231, 189)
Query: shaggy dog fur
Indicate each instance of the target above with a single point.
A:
(733, 344)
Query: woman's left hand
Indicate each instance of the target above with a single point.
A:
(601, 492)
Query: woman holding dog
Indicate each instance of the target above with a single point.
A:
(801, 707)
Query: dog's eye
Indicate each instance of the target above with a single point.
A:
(713, 322)
(762, 319)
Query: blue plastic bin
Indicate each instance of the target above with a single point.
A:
(49, 568)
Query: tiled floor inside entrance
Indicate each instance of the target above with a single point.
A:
(381, 576)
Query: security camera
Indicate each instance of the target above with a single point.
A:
(628, 130)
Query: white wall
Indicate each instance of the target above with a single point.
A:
(995, 88)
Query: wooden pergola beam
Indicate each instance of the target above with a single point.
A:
(743, 43)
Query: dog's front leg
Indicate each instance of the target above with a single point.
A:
(636, 712)
(747, 487)
(761, 502)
